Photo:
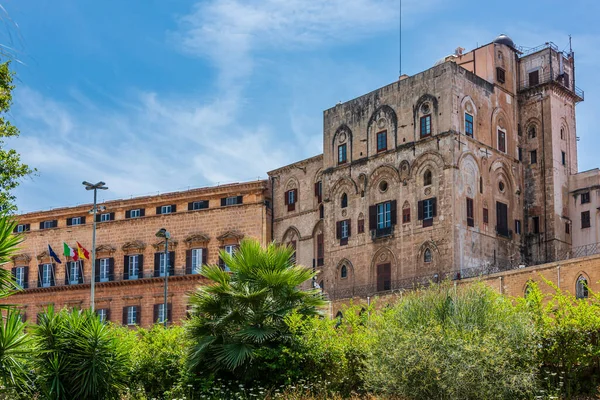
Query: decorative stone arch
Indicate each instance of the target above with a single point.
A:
(383, 255)
(383, 118)
(350, 278)
(290, 234)
(343, 134)
(385, 171)
(429, 158)
(292, 183)
(469, 174)
(564, 128)
(582, 275)
(435, 255)
(527, 287)
(345, 183)
(532, 122)
(500, 169)
(417, 113)
(21, 259)
(500, 121)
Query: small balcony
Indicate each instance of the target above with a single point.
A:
(563, 80)
(382, 232)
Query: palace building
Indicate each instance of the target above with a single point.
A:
(130, 261)
(466, 168)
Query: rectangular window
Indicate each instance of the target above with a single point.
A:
(381, 141)
(103, 314)
(342, 153)
(231, 201)
(518, 226)
(567, 228)
(534, 78)
(426, 126)
(199, 205)
(161, 313)
(585, 198)
(486, 216)
(533, 155)
(427, 209)
(229, 249)
(20, 228)
(48, 225)
(104, 269)
(134, 266)
(520, 151)
(73, 273)
(406, 215)
(291, 198)
(468, 125)
(320, 250)
(564, 158)
(384, 277)
(361, 226)
(135, 213)
(535, 221)
(105, 217)
(585, 220)
(20, 277)
(470, 213)
(165, 209)
(196, 261)
(319, 191)
(384, 215)
(500, 75)
(76, 221)
(566, 80)
(162, 264)
(132, 315)
(502, 141)
(345, 232)
(47, 275)
(502, 219)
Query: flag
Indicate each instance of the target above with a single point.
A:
(83, 253)
(53, 255)
(70, 252)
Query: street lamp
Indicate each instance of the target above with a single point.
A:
(163, 233)
(94, 187)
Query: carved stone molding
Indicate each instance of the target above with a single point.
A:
(42, 255)
(196, 238)
(136, 246)
(21, 259)
(106, 248)
(161, 245)
(230, 235)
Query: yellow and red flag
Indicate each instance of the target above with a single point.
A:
(83, 253)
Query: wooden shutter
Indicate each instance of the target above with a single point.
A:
(42, 225)
(223, 202)
(80, 272)
(52, 277)
(173, 208)
(125, 316)
(67, 265)
(286, 198)
(156, 264)
(125, 268)
(141, 266)
(107, 315)
(434, 206)
(221, 261)
(128, 214)
(97, 217)
(191, 206)
(82, 220)
(372, 218)
(69, 221)
(55, 223)
(171, 263)
(188, 262)
(138, 315)
(111, 269)
(25, 277)
(240, 200)
(204, 256)
(338, 229)
(169, 312)
(158, 210)
(14, 272)
(317, 189)
(420, 210)
(349, 227)
(40, 269)
(142, 212)
(155, 313)
(394, 212)
(97, 271)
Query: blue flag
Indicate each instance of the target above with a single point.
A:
(53, 255)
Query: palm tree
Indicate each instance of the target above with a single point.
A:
(242, 312)
(15, 353)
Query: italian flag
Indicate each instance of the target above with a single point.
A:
(70, 252)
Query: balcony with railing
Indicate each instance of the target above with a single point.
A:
(379, 233)
(537, 78)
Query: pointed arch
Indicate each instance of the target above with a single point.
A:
(383, 118)
(384, 171)
(344, 183)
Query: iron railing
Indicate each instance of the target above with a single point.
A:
(492, 267)
(551, 76)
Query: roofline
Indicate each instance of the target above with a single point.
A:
(305, 161)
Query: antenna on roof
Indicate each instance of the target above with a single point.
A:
(400, 39)
(570, 47)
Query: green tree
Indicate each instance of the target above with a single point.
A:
(79, 356)
(13, 170)
(240, 315)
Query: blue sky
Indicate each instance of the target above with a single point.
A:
(161, 95)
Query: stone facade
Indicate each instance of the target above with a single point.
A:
(197, 219)
(461, 168)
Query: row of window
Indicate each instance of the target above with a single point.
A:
(133, 268)
(133, 213)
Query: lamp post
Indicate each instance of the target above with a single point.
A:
(163, 233)
(94, 187)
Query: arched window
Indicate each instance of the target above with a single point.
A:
(427, 256)
(427, 178)
(562, 133)
(581, 288)
(344, 272)
(527, 290)
(344, 200)
(532, 131)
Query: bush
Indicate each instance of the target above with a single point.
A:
(445, 343)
